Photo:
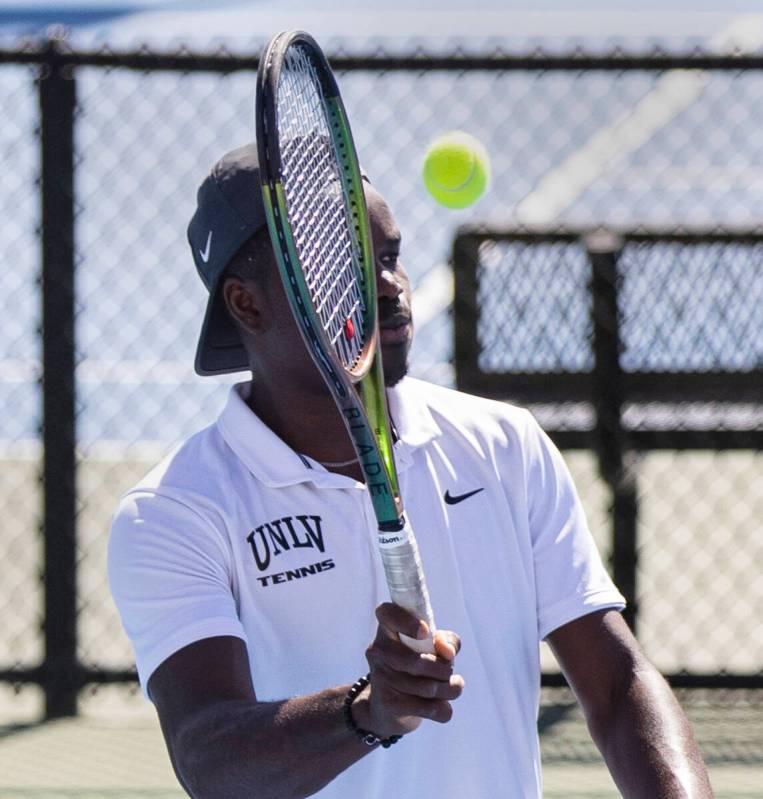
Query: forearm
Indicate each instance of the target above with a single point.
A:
(648, 743)
(265, 749)
(224, 744)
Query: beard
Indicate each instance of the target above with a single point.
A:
(395, 363)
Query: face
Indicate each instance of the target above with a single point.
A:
(277, 344)
(393, 289)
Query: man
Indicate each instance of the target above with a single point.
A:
(245, 570)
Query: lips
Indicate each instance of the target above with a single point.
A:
(395, 329)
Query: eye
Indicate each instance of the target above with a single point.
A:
(389, 258)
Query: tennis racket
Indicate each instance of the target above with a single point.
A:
(318, 223)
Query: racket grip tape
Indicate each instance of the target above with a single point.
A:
(405, 579)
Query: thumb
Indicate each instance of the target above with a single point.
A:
(446, 644)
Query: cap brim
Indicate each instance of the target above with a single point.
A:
(220, 350)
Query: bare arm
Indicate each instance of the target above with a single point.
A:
(224, 743)
(632, 715)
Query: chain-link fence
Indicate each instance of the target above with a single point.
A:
(20, 492)
(652, 344)
(579, 142)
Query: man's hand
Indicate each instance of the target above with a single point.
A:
(406, 686)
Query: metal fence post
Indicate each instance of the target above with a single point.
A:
(465, 259)
(611, 446)
(57, 97)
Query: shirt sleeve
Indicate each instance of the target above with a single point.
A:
(170, 577)
(570, 578)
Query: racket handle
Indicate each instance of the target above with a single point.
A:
(423, 645)
(405, 579)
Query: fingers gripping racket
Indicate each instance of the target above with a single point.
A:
(318, 222)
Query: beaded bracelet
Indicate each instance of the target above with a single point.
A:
(368, 738)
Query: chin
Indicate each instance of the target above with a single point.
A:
(395, 367)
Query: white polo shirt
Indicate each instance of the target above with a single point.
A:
(236, 534)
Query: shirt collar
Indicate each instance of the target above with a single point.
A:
(276, 464)
(410, 413)
(272, 462)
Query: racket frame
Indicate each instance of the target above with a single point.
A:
(366, 419)
(360, 391)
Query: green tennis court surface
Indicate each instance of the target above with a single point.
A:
(117, 751)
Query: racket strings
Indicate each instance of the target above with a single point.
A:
(317, 207)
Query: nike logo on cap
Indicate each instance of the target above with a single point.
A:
(205, 252)
(454, 500)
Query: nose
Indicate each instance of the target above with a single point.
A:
(387, 284)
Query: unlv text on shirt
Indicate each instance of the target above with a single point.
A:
(273, 538)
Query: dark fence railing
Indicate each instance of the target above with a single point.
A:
(491, 261)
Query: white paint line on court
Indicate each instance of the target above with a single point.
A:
(125, 372)
(102, 450)
(560, 187)
(433, 294)
(672, 94)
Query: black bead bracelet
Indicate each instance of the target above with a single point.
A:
(368, 738)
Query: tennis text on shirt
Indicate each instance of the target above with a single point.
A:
(271, 539)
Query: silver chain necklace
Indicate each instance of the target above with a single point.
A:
(337, 464)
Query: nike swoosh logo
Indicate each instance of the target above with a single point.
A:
(205, 252)
(454, 500)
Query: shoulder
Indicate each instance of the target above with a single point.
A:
(176, 514)
(457, 412)
(189, 480)
(188, 464)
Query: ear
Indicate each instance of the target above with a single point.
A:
(245, 302)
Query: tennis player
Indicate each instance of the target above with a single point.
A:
(246, 572)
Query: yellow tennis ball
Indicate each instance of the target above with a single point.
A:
(456, 169)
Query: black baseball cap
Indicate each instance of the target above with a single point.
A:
(229, 211)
